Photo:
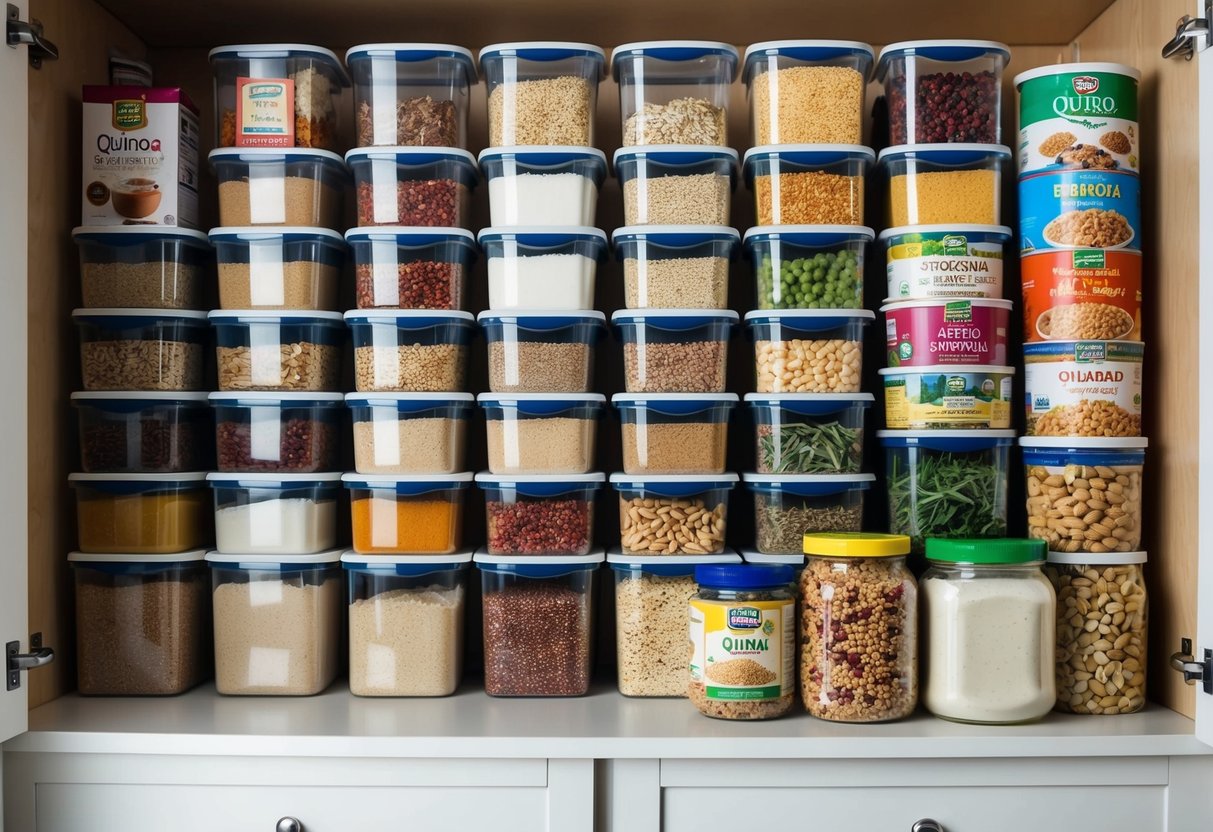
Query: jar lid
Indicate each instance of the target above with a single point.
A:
(1096, 558)
(856, 545)
(985, 551)
(744, 576)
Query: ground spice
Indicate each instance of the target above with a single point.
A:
(536, 640)
(156, 285)
(809, 198)
(676, 283)
(421, 121)
(539, 367)
(550, 445)
(781, 529)
(304, 446)
(813, 105)
(412, 446)
(422, 525)
(131, 364)
(540, 526)
(420, 284)
(695, 199)
(675, 367)
(948, 107)
(153, 446)
(300, 201)
(674, 448)
(547, 111)
(297, 284)
(407, 642)
(961, 196)
(419, 202)
(411, 368)
(651, 633)
(144, 524)
(300, 366)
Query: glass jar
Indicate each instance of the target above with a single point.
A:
(743, 641)
(989, 615)
(858, 628)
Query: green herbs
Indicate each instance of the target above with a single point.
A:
(944, 494)
(781, 528)
(827, 280)
(808, 448)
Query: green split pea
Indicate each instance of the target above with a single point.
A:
(827, 280)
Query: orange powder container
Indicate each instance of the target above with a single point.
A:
(420, 514)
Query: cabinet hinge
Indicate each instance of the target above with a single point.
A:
(15, 661)
(1194, 670)
(17, 32)
(1188, 31)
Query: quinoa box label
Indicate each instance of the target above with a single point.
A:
(1078, 120)
(743, 651)
(1083, 388)
(940, 264)
(1082, 294)
(1079, 209)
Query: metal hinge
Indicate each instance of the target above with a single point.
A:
(1187, 31)
(18, 32)
(15, 661)
(1193, 671)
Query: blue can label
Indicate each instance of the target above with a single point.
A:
(1080, 209)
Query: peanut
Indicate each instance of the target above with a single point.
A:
(1105, 521)
(667, 526)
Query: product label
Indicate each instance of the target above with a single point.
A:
(938, 264)
(1082, 294)
(1078, 120)
(941, 400)
(1079, 209)
(743, 650)
(1069, 384)
(947, 332)
(265, 112)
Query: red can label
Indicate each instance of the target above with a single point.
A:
(1082, 295)
(926, 333)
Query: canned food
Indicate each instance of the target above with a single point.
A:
(1083, 388)
(1079, 209)
(1082, 294)
(958, 261)
(934, 331)
(947, 398)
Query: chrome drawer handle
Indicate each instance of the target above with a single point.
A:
(927, 825)
(288, 824)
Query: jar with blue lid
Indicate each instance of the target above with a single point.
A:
(674, 91)
(410, 433)
(541, 433)
(301, 187)
(818, 434)
(411, 268)
(267, 350)
(279, 268)
(143, 267)
(141, 349)
(675, 266)
(931, 184)
(675, 350)
(693, 511)
(542, 185)
(676, 184)
(143, 432)
(541, 350)
(808, 184)
(789, 506)
(428, 187)
(808, 266)
(542, 92)
(674, 433)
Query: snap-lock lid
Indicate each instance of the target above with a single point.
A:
(409, 53)
(957, 153)
(239, 561)
(676, 51)
(124, 234)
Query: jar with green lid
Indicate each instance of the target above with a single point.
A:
(858, 628)
(989, 613)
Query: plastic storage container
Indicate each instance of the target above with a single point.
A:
(676, 184)
(542, 186)
(427, 187)
(949, 397)
(407, 514)
(279, 351)
(406, 627)
(143, 267)
(789, 506)
(268, 186)
(796, 561)
(411, 94)
(542, 268)
(277, 623)
(409, 433)
(674, 433)
(674, 91)
(539, 514)
(538, 623)
(935, 184)
(280, 268)
(937, 331)
(808, 184)
(808, 266)
(808, 350)
(541, 433)
(411, 268)
(814, 434)
(277, 432)
(143, 433)
(694, 513)
(675, 266)
(675, 350)
(541, 351)
(142, 623)
(275, 514)
(141, 514)
(410, 351)
(944, 261)
(141, 349)
(542, 92)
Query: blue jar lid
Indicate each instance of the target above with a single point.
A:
(676, 51)
(809, 50)
(547, 237)
(408, 484)
(958, 153)
(541, 485)
(676, 154)
(673, 485)
(410, 53)
(811, 236)
(744, 576)
(675, 236)
(405, 566)
(948, 50)
(958, 441)
(543, 50)
(546, 156)
(538, 566)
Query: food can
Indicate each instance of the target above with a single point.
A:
(1078, 116)
(947, 398)
(923, 333)
(958, 261)
(1082, 294)
(1079, 209)
(1083, 388)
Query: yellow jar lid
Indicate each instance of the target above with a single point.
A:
(856, 545)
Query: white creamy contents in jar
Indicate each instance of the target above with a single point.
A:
(542, 199)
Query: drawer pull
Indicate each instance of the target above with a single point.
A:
(288, 824)
(927, 825)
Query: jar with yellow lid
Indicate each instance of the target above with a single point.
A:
(858, 628)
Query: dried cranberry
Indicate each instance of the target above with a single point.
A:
(948, 107)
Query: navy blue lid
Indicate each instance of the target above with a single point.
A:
(744, 576)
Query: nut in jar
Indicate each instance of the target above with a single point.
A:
(808, 350)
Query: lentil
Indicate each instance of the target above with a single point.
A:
(681, 121)
(130, 364)
(301, 284)
(298, 366)
(540, 527)
(827, 280)
(426, 445)
(156, 446)
(539, 367)
(940, 197)
(813, 105)
(1086, 508)
(419, 202)
(1090, 228)
(675, 367)
(406, 642)
(420, 284)
(674, 448)
(670, 526)
(420, 121)
(803, 366)
(651, 633)
(155, 285)
(415, 368)
(948, 107)
(809, 198)
(551, 445)
(305, 446)
(695, 199)
(301, 201)
(546, 111)
(676, 283)
(415, 525)
(536, 640)
(1087, 418)
(781, 529)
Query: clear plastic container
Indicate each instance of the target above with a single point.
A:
(411, 94)
(542, 268)
(281, 268)
(675, 350)
(411, 268)
(944, 183)
(789, 506)
(275, 514)
(277, 623)
(410, 351)
(807, 91)
(540, 351)
(141, 514)
(278, 351)
(406, 627)
(674, 433)
(808, 434)
(674, 91)
(407, 514)
(538, 623)
(141, 349)
(539, 514)
(409, 433)
(674, 266)
(808, 266)
(694, 511)
(280, 433)
(143, 267)
(142, 623)
(676, 184)
(542, 92)
(796, 561)
(411, 186)
(143, 433)
(542, 186)
(808, 350)
(541, 433)
(808, 184)
(268, 186)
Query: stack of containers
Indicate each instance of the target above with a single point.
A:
(1080, 226)
(947, 386)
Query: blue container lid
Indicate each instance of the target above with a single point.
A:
(546, 156)
(542, 318)
(129, 235)
(127, 318)
(744, 576)
(674, 403)
(405, 566)
(676, 154)
(547, 237)
(673, 485)
(543, 50)
(287, 234)
(409, 318)
(540, 485)
(268, 51)
(806, 154)
(417, 157)
(666, 566)
(274, 563)
(815, 236)
(410, 53)
(676, 51)
(261, 398)
(808, 485)
(1062, 450)
(988, 233)
(221, 317)
(810, 404)
(538, 566)
(138, 483)
(410, 402)
(131, 400)
(960, 441)
(958, 153)
(809, 320)
(675, 236)
(119, 564)
(941, 50)
(280, 482)
(276, 156)
(674, 318)
(410, 236)
(541, 404)
(408, 484)
(810, 50)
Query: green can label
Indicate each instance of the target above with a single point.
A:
(1078, 120)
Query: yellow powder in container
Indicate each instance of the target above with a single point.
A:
(960, 196)
(422, 525)
(144, 524)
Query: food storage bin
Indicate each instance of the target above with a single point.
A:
(143, 433)
(1119, 685)
(541, 433)
(411, 268)
(410, 351)
(307, 107)
(694, 511)
(808, 434)
(409, 433)
(279, 433)
(808, 350)
(279, 268)
(652, 593)
(674, 91)
(1084, 494)
(944, 261)
(542, 92)
(411, 94)
(943, 90)
(858, 628)
(143, 267)
(936, 331)
(277, 622)
(268, 186)
(789, 506)
(807, 91)
(406, 626)
(989, 616)
(407, 514)
(674, 433)
(944, 183)
(539, 514)
(275, 514)
(141, 514)
(541, 351)
(141, 349)
(947, 483)
(676, 184)
(947, 398)
(675, 350)
(538, 623)
(808, 266)
(1084, 388)
(808, 184)
(429, 187)
(278, 351)
(542, 268)
(142, 623)
(542, 186)
(675, 266)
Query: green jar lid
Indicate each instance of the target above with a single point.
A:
(999, 550)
